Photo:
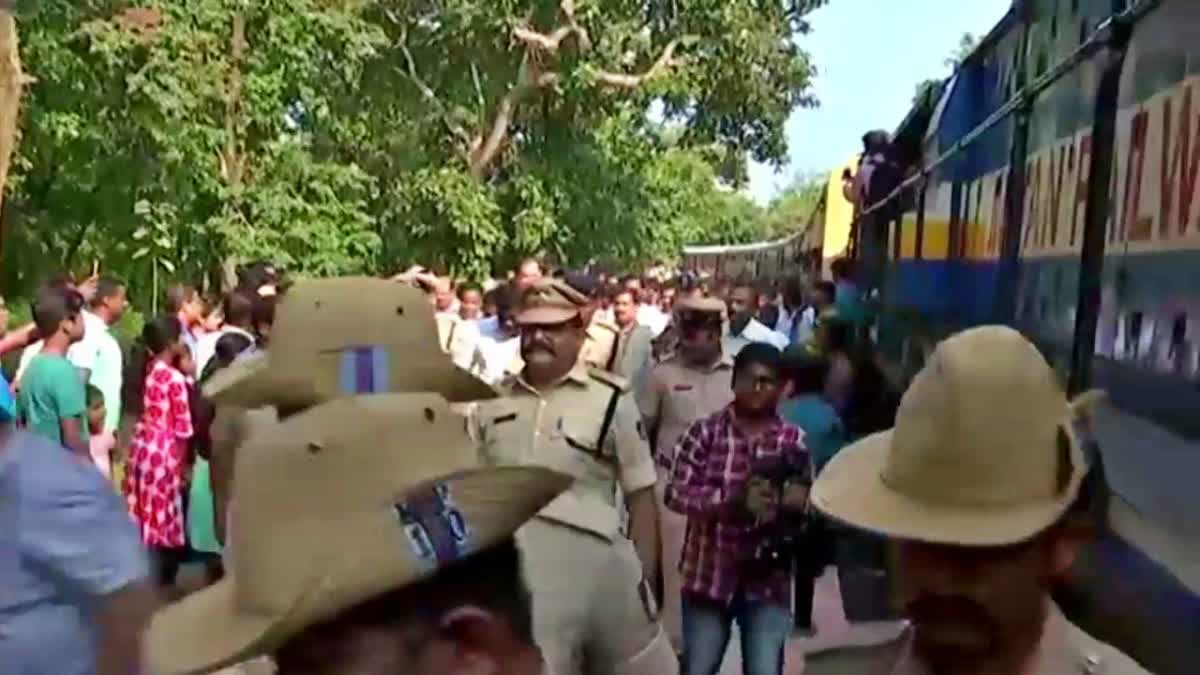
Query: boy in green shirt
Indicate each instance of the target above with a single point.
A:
(51, 401)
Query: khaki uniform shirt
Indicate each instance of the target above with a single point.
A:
(1064, 650)
(676, 394)
(560, 428)
(600, 347)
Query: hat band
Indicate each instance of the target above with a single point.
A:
(437, 532)
(365, 370)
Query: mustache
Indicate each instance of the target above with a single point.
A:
(943, 608)
(534, 346)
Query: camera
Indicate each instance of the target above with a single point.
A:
(781, 539)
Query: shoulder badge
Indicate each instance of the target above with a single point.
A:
(609, 379)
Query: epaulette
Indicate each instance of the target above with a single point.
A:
(611, 379)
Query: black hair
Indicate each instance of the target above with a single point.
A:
(582, 282)
(54, 304)
(614, 291)
(229, 346)
(806, 370)
(255, 275)
(468, 286)
(793, 292)
(178, 295)
(841, 268)
(759, 353)
(828, 288)
(263, 312)
(94, 395)
(157, 336)
(839, 335)
(106, 287)
(160, 334)
(747, 284)
(238, 308)
(490, 580)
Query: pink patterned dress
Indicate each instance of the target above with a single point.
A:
(154, 479)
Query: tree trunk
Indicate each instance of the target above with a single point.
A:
(12, 79)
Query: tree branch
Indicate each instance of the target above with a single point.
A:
(431, 97)
(486, 148)
(626, 81)
(551, 42)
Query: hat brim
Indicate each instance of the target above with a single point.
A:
(251, 383)
(208, 630)
(851, 489)
(546, 316)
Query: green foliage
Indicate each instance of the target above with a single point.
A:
(362, 135)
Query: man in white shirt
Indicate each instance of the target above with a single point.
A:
(499, 353)
(743, 303)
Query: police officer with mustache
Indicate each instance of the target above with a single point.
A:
(594, 610)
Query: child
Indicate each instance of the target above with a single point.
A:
(158, 454)
(100, 442)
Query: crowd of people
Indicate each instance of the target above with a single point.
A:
(647, 460)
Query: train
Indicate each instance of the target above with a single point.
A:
(1053, 184)
(807, 252)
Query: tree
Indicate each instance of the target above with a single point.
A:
(176, 138)
(792, 209)
(966, 46)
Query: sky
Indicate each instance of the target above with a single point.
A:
(870, 55)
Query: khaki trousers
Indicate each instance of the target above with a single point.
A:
(592, 613)
(672, 528)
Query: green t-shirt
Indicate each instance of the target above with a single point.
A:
(51, 391)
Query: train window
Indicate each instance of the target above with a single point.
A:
(1084, 30)
(1133, 335)
(1054, 27)
(1178, 352)
(1074, 6)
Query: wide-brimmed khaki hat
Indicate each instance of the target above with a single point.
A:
(550, 301)
(983, 453)
(346, 336)
(336, 505)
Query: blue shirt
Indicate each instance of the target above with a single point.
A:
(66, 540)
(824, 434)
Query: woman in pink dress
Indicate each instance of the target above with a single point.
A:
(154, 480)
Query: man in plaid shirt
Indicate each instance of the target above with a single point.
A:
(718, 480)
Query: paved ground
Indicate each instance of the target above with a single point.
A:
(832, 631)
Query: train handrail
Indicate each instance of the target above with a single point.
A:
(1026, 95)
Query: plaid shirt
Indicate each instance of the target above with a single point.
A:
(712, 467)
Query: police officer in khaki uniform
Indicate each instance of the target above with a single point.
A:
(695, 382)
(372, 542)
(594, 611)
(975, 485)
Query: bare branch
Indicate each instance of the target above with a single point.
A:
(552, 41)
(626, 81)
(487, 148)
(455, 129)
